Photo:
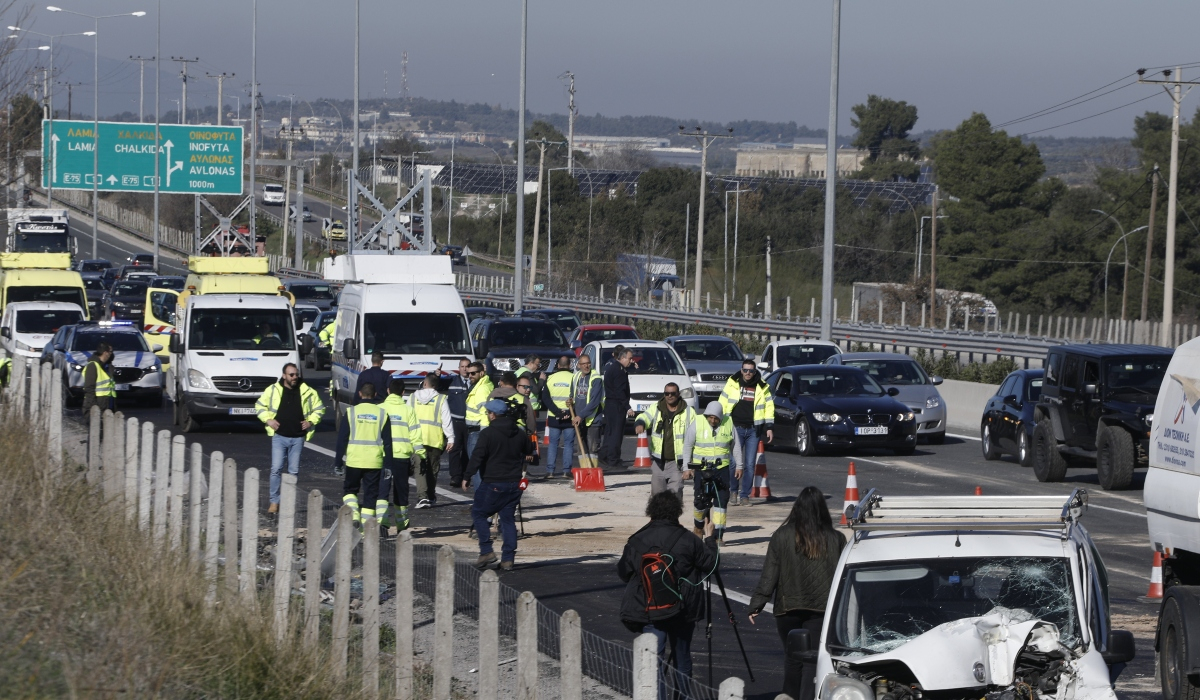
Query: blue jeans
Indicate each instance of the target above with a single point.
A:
(567, 437)
(502, 498)
(282, 448)
(749, 438)
(472, 440)
(674, 647)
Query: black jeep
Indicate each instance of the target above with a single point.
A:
(1096, 405)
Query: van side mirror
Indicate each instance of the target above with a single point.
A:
(6, 332)
(1121, 648)
(175, 344)
(350, 349)
(893, 391)
(800, 648)
(1089, 388)
(306, 343)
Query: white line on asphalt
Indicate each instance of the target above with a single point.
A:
(963, 437)
(1118, 510)
(745, 600)
(441, 491)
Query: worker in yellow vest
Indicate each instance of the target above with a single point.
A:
(587, 398)
(532, 369)
(708, 448)
(747, 399)
(365, 442)
(481, 387)
(437, 435)
(667, 421)
(556, 395)
(99, 389)
(5, 370)
(406, 442)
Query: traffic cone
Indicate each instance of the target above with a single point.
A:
(978, 490)
(851, 492)
(641, 458)
(761, 489)
(1156, 588)
(546, 434)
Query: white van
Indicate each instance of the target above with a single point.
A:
(796, 351)
(272, 195)
(27, 326)
(403, 305)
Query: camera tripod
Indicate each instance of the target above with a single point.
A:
(716, 576)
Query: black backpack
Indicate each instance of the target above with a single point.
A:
(660, 584)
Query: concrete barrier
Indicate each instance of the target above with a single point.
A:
(964, 404)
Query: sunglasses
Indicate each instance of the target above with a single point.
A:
(670, 393)
(473, 374)
(747, 370)
(526, 387)
(291, 375)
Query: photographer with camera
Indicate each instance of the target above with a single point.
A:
(707, 450)
(499, 457)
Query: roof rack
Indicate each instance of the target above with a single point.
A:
(879, 512)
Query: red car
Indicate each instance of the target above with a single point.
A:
(587, 333)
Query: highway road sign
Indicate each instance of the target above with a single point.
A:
(196, 159)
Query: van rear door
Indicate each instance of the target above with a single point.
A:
(158, 322)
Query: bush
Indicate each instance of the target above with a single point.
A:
(948, 367)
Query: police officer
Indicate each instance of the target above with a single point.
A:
(99, 389)
(668, 421)
(365, 441)
(406, 442)
(556, 397)
(747, 399)
(437, 435)
(708, 448)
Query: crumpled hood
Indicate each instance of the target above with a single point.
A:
(425, 395)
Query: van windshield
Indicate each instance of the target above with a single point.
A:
(417, 334)
(46, 320)
(71, 295)
(790, 355)
(311, 291)
(241, 329)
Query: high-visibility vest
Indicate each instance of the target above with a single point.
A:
(406, 431)
(713, 443)
(519, 400)
(559, 385)
(591, 387)
(764, 403)
(267, 406)
(105, 386)
(533, 394)
(429, 416)
(678, 426)
(476, 398)
(365, 449)
(6, 369)
(328, 332)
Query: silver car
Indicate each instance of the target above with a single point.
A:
(710, 361)
(136, 370)
(917, 389)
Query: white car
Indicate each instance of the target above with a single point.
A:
(983, 597)
(272, 195)
(304, 315)
(797, 351)
(655, 364)
(27, 326)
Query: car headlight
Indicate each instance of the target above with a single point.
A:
(836, 687)
(118, 304)
(26, 347)
(827, 417)
(152, 369)
(506, 364)
(687, 393)
(76, 366)
(197, 380)
(933, 402)
(903, 417)
(1149, 419)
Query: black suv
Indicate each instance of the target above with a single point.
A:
(1097, 404)
(502, 344)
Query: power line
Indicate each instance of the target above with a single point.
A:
(1071, 102)
(1076, 121)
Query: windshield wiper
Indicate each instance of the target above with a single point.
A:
(843, 647)
(1133, 388)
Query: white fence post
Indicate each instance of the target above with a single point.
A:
(195, 486)
(212, 532)
(146, 477)
(489, 634)
(94, 461)
(312, 572)
(732, 689)
(341, 596)
(175, 518)
(162, 481)
(443, 623)
(230, 517)
(527, 647)
(283, 554)
(645, 667)
(570, 656)
(370, 609)
(248, 581)
(404, 617)
(131, 469)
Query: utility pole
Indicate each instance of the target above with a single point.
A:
(518, 264)
(220, 78)
(705, 140)
(767, 301)
(183, 75)
(537, 212)
(69, 86)
(570, 121)
(141, 85)
(1154, 177)
(1176, 94)
(933, 257)
(404, 78)
(830, 180)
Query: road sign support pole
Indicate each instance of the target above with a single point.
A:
(298, 260)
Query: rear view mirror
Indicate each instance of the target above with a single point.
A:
(6, 332)
(764, 366)
(935, 380)
(350, 349)
(1089, 388)
(893, 391)
(1011, 400)
(176, 343)
(156, 348)
(1121, 648)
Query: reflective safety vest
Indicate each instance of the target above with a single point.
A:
(764, 403)
(592, 380)
(650, 420)
(713, 443)
(429, 416)
(6, 369)
(559, 386)
(517, 399)
(533, 393)
(406, 431)
(310, 405)
(105, 386)
(258, 339)
(476, 398)
(365, 449)
(328, 332)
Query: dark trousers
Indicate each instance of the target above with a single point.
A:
(368, 479)
(614, 434)
(799, 678)
(458, 456)
(674, 647)
(426, 473)
(393, 485)
(499, 497)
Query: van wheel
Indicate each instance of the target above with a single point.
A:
(1048, 462)
(1114, 458)
(187, 422)
(1173, 654)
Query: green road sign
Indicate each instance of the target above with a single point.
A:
(194, 159)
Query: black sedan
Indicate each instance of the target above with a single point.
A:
(125, 301)
(1007, 425)
(825, 407)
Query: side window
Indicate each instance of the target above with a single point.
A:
(784, 385)
(591, 353)
(1053, 369)
(1091, 373)
(162, 306)
(769, 355)
(1008, 388)
(1070, 372)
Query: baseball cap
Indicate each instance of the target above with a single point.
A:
(497, 406)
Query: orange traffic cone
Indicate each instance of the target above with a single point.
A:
(641, 458)
(851, 492)
(546, 434)
(1156, 587)
(978, 490)
(761, 489)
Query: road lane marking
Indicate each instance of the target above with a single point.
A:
(963, 437)
(440, 491)
(1118, 510)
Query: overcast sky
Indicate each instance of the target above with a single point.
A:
(754, 59)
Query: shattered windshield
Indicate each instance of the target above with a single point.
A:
(880, 607)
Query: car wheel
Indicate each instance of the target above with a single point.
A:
(1173, 655)
(1024, 453)
(936, 438)
(187, 422)
(988, 446)
(309, 361)
(804, 439)
(1048, 462)
(1115, 458)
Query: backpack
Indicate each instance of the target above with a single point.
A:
(660, 585)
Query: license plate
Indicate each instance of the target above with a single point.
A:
(124, 387)
(243, 411)
(872, 430)
(641, 407)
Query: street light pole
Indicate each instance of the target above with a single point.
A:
(519, 259)
(830, 180)
(1125, 286)
(352, 182)
(705, 140)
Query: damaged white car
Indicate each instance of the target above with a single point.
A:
(996, 597)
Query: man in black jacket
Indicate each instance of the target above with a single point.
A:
(691, 562)
(375, 376)
(499, 458)
(616, 408)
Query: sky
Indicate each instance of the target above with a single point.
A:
(755, 59)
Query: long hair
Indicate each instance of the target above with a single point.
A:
(810, 518)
